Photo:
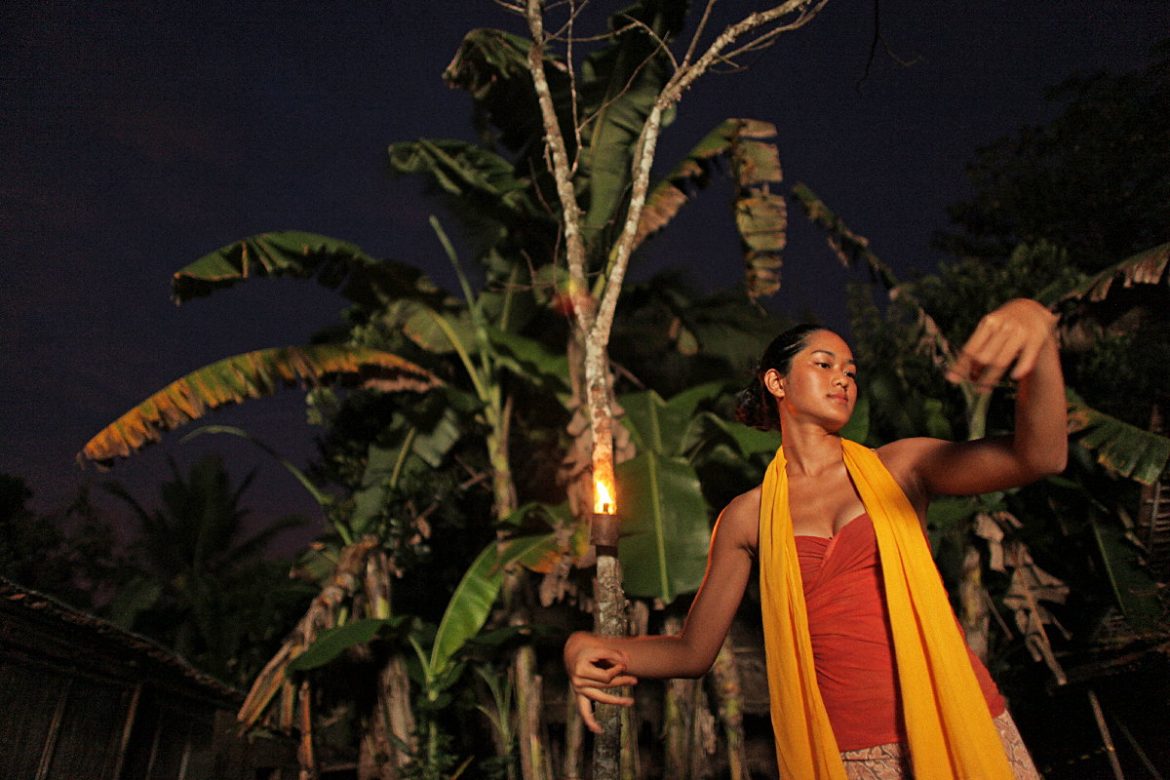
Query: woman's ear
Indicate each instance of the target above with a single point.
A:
(774, 382)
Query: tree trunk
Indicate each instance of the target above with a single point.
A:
(609, 620)
(574, 740)
(688, 725)
(729, 696)
(392, 724)
(533, 761)
(676, 726)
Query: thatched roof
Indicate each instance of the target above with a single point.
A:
(46, 632)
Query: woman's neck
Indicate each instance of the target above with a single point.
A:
(810, 449)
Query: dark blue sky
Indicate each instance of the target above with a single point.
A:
(135, 137)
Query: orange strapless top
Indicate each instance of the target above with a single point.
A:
(851, 639)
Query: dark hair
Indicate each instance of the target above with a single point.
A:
(754, 405)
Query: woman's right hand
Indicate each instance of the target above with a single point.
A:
(595, 666)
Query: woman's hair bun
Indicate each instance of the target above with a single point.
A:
(754, 405)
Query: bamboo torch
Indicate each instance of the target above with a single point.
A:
(609, 615)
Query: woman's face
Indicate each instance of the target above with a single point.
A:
(820, 384)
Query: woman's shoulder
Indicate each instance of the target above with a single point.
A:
(740, 519)
(904, 456)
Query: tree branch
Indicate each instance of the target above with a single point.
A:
(715, 52)
(555, 142)
(648, 140)
(686, 60)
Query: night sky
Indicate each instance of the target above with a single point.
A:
(136, 137)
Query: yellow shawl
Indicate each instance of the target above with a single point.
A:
(947, 720)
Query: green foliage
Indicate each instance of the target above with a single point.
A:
(663, 547)
(332, 642)
(335, 264)
(1136, 591)
(71, 555)
(618, 83)
(1124, 449)
(670, 337)
(665, 530)
(476, 592)
(501, 714)
(761, 214)
(981, 285)
(204, 587)
(1093, 180)
(618, 86)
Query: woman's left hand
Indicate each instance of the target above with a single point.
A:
(1016, 333)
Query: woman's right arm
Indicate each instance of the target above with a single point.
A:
(596, 663)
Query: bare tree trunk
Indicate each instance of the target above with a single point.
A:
(703, 739)
(638, 614)
(391, 725)
(729, 696)
(610, 620)
(676, 726)
(688, 724)
(678, 715)
(533, 761)
(382, 754)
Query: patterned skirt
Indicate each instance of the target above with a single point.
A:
(892, 761)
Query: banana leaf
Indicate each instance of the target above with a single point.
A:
(761, 215)
(472, 600)
(649, 421)
(335, 264)
(438, 332)
(470, 173)
(1137, 593)
(530, 360)
(857, 429)
(710, 429)
(492, 66)
(1122, 448)
(323, 499)
(332, 642)
(619, 85)
(249, 375)
(1148, 267)
(852, 249)
(665, 532)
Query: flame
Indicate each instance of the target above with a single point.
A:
(604, 495)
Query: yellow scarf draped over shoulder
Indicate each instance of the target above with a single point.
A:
(950, 728)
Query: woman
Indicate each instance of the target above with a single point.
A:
(868, 672)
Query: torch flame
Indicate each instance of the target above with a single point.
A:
(604, 500)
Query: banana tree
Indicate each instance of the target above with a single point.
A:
(392, 298)
(617, 93)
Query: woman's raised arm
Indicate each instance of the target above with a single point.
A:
(596, 663)
(1018, 335)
